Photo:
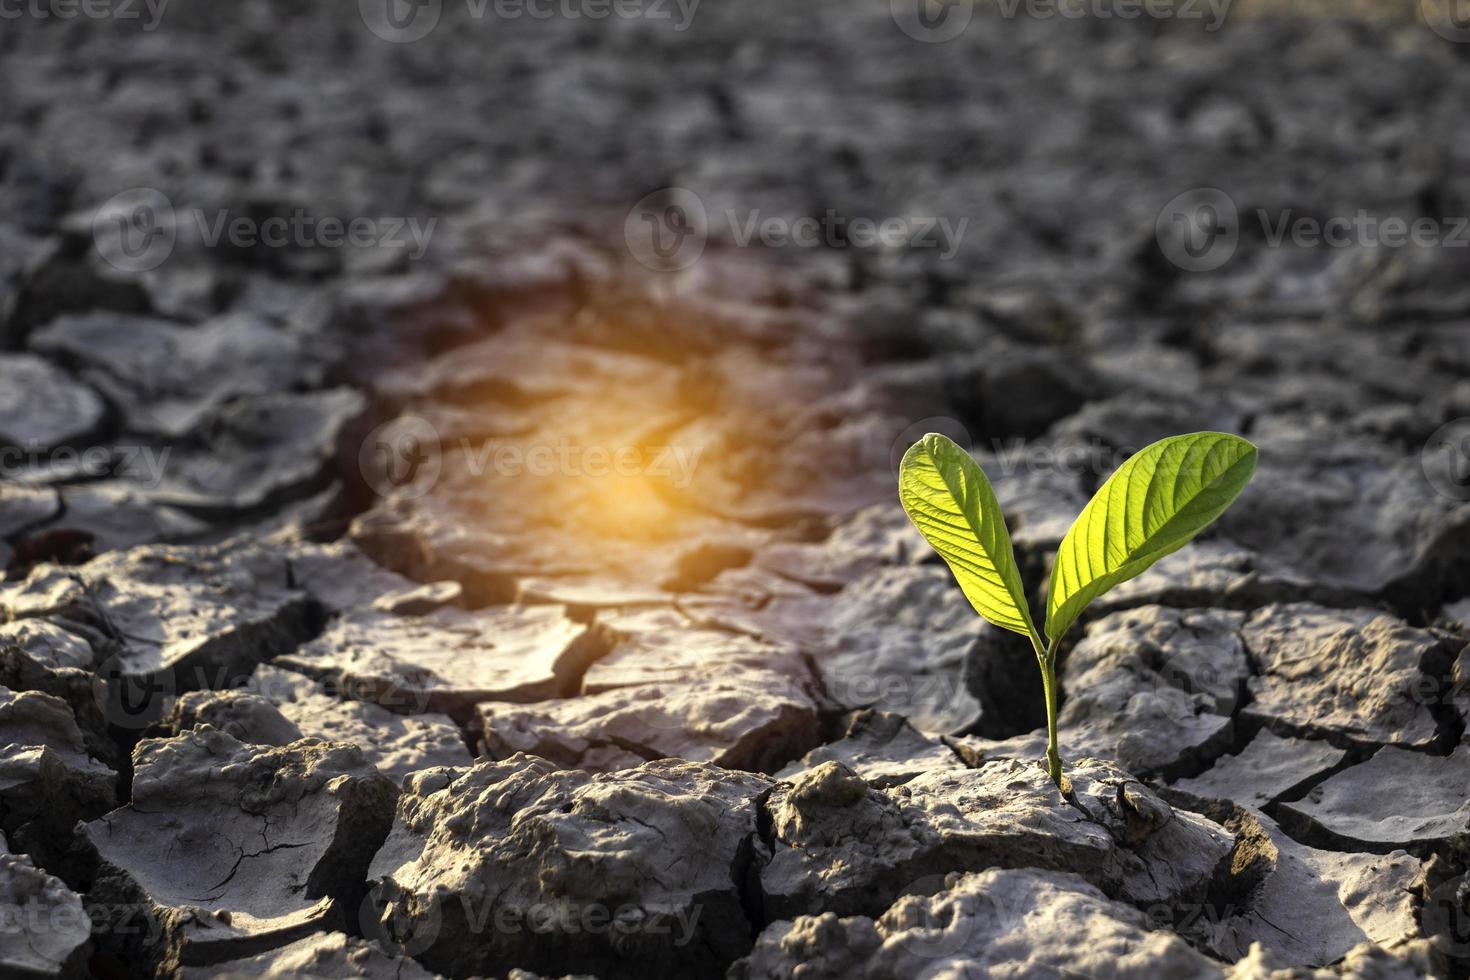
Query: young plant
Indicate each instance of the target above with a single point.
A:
(1154, 503)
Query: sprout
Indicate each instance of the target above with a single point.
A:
(1154, 504)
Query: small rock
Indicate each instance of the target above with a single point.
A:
(1312, 907)
(45, 931)
(897, 640)
(525, 366)
(875, 536)
(813, 947)
(1351, 673)
(253, 452)
(998, 923)
(1349, 513)
(1365, 961)
(1154, 688)
(234, 849)
(1217, 572)
(1397, 798)
(508, 862)
(882, 748)
(450, 659)
(1267, 769)
(34, 651)
(115, 515)
(324, 956)
(661, 646)
(341, 577)
(41, 407)
(167, 377)
(732, 718)
(589, 594)
(241, 715)
(396, 744)
(170, 618)
(47, 780)
(419, 601)
(279, 707)
(23, 507)
(855, 852)
(37, 655)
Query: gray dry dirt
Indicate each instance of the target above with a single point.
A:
(522, 606)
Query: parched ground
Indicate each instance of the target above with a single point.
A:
(522, 590)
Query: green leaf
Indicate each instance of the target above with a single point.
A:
(1154, 504)
(949, 500)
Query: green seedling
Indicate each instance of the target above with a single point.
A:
(1158, 500)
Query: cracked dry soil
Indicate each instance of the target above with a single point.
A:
(334, 646)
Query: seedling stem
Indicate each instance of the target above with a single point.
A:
(1046, 658)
